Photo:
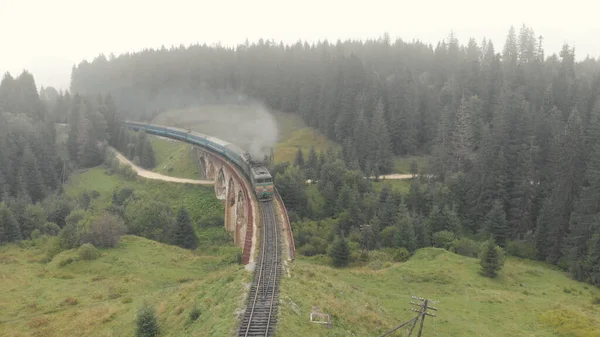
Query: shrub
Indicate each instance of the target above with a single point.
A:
(522, 249)
(88, 252)
(147, 324)
(194, 314)
(307, 250)
(50, 228)
(401, 255)
(443, 239)
(36, 234)
(466, 247)
(70, 301)
(105, 231)
(66, 261)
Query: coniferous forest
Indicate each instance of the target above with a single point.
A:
(512, 131)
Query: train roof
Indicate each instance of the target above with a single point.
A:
(260, 171)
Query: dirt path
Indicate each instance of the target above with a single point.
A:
(157, 176)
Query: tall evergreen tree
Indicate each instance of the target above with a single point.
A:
(184, 235)
(340, 252)
(299, 161)
(10, 230)
(496, 224)
(379, 141)
(491, 259)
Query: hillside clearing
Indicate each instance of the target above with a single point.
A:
(527, 299)
(101, 297)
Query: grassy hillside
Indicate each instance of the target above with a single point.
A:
(527, 299)
(101, 297)
(200, 201)
(294, 133)
(174, 158)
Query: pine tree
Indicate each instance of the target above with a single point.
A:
(10, 230)
(585, 216)
(491, 259)
(379, 142)
(406, 236)
(146, 322)
(32, 177)
(496, 224)
(340, 252)
(592, 260)
(184, 235)
(312, 163)
(299, 161)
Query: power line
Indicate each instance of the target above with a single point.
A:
(422, 313)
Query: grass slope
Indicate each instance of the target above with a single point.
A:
(101, 297)
(294, 133)
(199, 200)
(174, 158)
(527, 299)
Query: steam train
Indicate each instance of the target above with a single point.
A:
(257, 173)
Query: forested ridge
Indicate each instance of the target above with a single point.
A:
(513, 132)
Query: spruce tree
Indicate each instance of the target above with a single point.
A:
(585, 216)
(312, 163)
(379, 142)
(496, 224)
(340, 252)
(406, 231)
(146, 322)
(10, 230)
(299, 161)
(491, 259)
(32, 177)
(184, 235)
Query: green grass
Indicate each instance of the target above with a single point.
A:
(101, 297)
(527, 299)
(199, 200)
(402, 164)
(397, 185)
(294, 133)
(174, 158)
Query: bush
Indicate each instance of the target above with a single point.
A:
(194, 314)
(442, 239)
(307, 250)
(401, 255)
(466, 247)
(105, 231)
(522, 249)
(36, 234)
(50, 228)
(88, 252)
(147, 324)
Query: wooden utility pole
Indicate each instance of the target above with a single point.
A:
(423, 308)
(422, 313)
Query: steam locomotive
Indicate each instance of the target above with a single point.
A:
(257, 173)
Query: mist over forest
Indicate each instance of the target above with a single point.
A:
(503, 143)
(511, 128)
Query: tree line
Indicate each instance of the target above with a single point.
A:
(512, 132)
(37, 154)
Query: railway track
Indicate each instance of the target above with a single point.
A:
(261, 313)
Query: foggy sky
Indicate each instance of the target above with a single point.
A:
(48, 37)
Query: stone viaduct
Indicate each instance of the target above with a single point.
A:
(242, 211)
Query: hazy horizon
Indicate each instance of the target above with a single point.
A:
(60, 34)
